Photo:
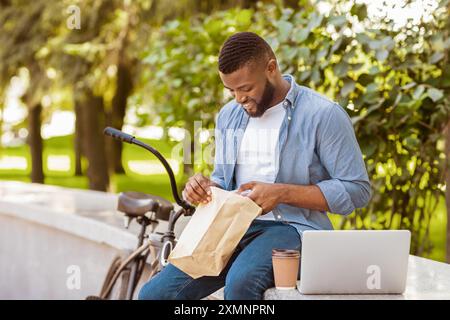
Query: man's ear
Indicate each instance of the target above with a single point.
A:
(272, 66)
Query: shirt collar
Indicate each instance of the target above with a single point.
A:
(292, 93)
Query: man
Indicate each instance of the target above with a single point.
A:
(292, 149)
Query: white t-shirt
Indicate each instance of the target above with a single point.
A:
(258, 154)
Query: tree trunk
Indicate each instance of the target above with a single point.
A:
(119, 105)
(1, 120)
(188, 151)
(35, 143)
(93, 116)
(78, 139)
(447, 188)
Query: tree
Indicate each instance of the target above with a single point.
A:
(78, 54)
(24, 29)
(125, 62)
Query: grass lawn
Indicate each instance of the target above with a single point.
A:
(59, 150)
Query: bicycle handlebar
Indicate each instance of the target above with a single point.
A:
(125, 137)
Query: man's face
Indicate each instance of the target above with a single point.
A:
(251, 86)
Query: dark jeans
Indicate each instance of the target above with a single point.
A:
(246, 276)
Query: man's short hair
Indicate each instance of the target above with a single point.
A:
(242, 48)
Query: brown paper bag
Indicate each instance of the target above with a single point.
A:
(213, 233)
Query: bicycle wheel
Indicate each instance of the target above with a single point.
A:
(120, 287)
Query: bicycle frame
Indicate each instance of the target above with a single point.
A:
(139, 257)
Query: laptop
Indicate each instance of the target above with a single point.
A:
(354, 261)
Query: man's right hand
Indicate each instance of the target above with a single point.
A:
(197, 189)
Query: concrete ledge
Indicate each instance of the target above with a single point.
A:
(46, 230)
(88, 214)
(37, 262)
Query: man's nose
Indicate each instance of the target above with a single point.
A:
(241, 98)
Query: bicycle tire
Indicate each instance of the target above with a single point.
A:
(119, 288)
(126, 261)
(125, 279)
(115, 263)
(140, 268)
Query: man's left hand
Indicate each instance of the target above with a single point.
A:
(265, 195)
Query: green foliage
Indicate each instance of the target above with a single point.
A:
(24, 29)
(181, 62)
(393, 83)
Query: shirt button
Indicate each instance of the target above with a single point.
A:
(285, 103)
(289, 118)
(278, 216)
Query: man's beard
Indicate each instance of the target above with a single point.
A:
(264, 104)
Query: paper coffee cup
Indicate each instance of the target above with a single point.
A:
(285, 264)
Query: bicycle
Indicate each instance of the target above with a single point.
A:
(148, 210)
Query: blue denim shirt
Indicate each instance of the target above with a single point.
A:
(317, 146)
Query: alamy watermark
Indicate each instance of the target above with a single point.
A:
(74, 19)
(374, 279)
(73, 281)
(223, 145)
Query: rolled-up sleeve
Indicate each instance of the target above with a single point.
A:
(348, 187)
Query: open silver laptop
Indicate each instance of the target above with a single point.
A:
(354, 262)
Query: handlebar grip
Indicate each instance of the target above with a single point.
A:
(118, 135)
